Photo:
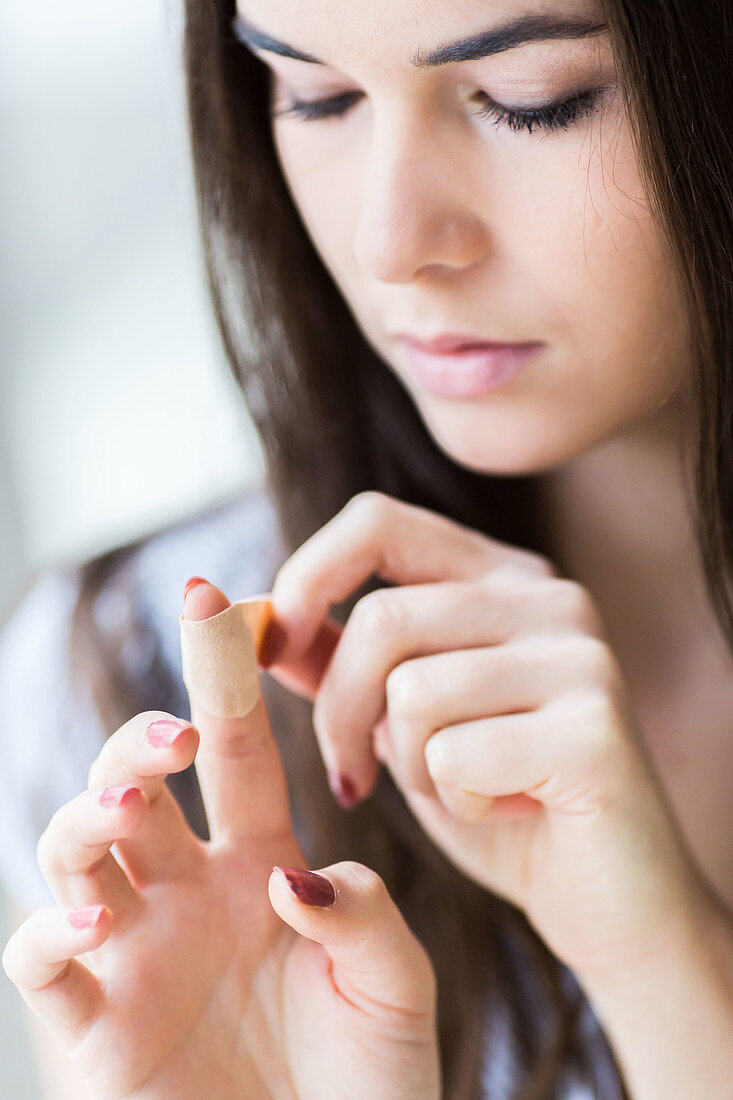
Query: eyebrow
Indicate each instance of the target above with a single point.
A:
(527, 28)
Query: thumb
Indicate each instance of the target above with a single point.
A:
(304, 674)
(377, 961)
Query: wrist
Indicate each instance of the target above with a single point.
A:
(695, 933)
(669, 1014)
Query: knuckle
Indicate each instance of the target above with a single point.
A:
(539, 564)
(502, 577)
(439, 754)
(408, 690)
(596, 661)
(384, 612)
(600, 722)
(568, 595)
(369, 508)
(518, 570)
(575, 603)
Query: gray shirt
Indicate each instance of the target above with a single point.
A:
(49, 736)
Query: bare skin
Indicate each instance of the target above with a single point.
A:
(193, 968)
(435, 219)
(581, 766)
(430, 220)
(620, 526)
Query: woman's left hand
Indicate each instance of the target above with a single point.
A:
(485, 683)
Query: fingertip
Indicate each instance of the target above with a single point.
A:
(122, 796)
(191, 583)
(308, 887)
(355, 782)
(273, 643)
(124, 808)
(171, 733)
(89, 918)
(310, 633)
(343, 789)
(202, 599)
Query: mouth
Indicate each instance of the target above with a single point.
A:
(449, 342)
(454, 365)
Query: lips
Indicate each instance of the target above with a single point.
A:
(463, 366)
(450, 343)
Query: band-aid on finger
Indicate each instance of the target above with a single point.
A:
(219, 656)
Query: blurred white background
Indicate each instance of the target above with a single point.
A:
(117, 412)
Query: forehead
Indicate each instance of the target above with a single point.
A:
(414, 34)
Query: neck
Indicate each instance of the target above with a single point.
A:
(619, 522)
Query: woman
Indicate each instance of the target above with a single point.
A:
(546, 677)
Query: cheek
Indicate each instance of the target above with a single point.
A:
(324, 197)
(608, 279)
(575, 252)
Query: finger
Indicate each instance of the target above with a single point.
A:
(566, 755)
(302, 676)
(74, 853)
(39, 958)
(375, 533)
(374, 661)
(445, 689)
(143, 752)
(378, 964)
(240, 773)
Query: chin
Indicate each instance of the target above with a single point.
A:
(509, 450)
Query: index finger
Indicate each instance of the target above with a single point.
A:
(238, 765)
(375, 533)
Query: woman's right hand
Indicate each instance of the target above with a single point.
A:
(179, 976)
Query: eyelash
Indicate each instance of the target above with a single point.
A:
(554, 116)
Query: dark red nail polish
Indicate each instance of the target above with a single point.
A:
(191, 583)
(311, 888)
(343, 790)
(273, 643)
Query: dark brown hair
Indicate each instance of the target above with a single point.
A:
(316, 390)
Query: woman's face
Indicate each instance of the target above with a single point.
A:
(435, 215)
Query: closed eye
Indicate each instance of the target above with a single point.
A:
(553, 116)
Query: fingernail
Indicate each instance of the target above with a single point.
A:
(273, 643)
(343, 790)
(311, 888)
(191, 583)
(115, 796)
(87, 917)
(165, 732)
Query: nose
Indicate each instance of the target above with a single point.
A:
(415, 212)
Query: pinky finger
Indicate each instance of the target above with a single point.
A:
(39, 959)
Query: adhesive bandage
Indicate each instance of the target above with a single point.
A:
(219, 656)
